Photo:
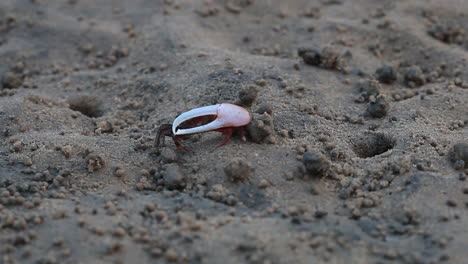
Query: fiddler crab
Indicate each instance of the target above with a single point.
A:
(224, 118)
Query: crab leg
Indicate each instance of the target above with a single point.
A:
(163, 131)
(178, 143)
(227, 132)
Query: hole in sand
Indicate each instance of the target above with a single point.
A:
(372, 144)
(87, 105)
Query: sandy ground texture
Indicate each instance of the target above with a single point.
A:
(357, 151)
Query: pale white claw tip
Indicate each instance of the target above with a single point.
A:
(197, 112)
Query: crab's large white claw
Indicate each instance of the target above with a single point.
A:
(227, 115)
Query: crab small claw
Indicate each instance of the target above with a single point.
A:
(227, 115)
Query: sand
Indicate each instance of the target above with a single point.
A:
(357, 151)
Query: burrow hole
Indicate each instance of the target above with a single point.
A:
(372, 144)
(87, 105)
